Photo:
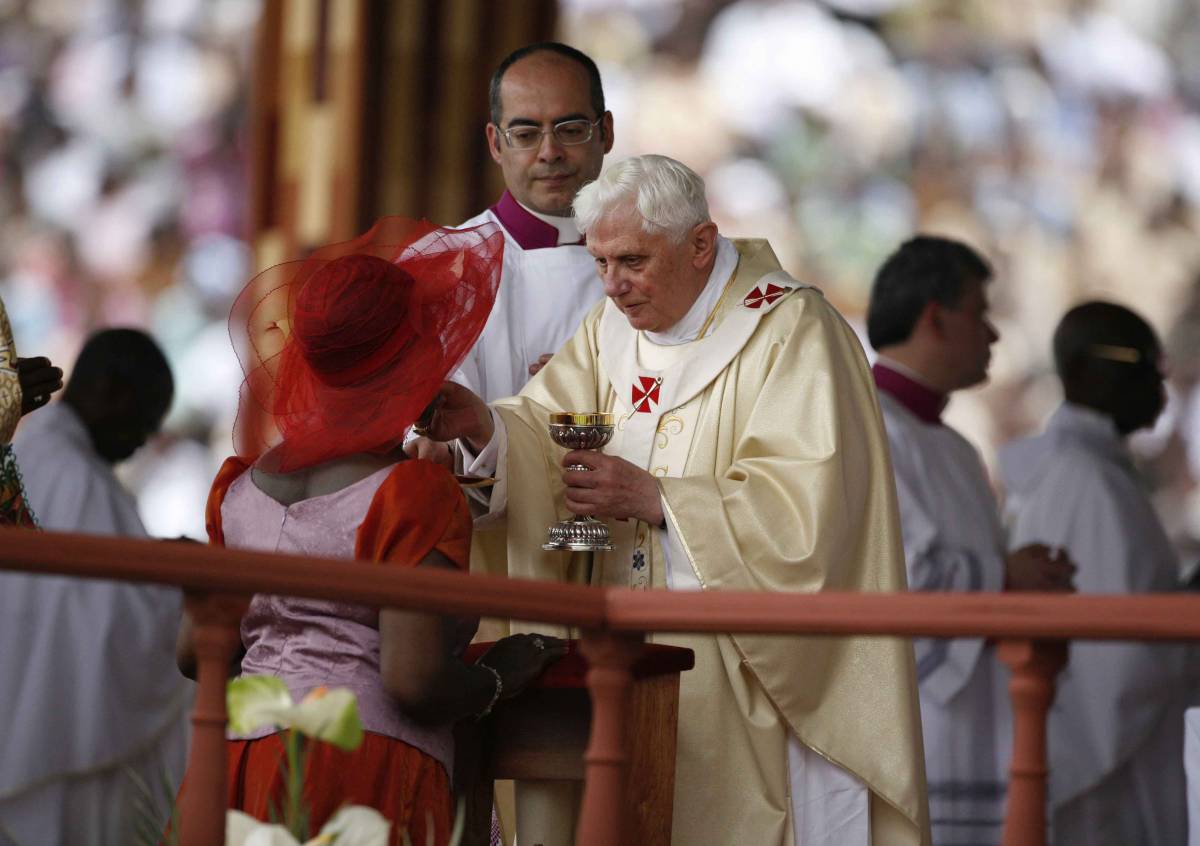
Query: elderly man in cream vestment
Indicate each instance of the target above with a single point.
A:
(748, 455)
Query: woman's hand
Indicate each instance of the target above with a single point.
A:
(519, 659)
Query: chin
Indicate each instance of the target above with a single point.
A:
(556, 203)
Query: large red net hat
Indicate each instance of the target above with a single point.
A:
(343, 350)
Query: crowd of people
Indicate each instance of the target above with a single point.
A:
(755, 449)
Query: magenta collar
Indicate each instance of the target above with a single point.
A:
(926, 403)
(529, 232)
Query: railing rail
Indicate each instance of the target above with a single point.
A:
(1031, 629)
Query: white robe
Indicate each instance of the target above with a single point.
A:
(1116, 727)
(544, 294)
(93, 691)
(952, 542)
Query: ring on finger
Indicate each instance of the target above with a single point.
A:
(539, 644)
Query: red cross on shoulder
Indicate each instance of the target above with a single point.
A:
(645, 393)
(761, 296)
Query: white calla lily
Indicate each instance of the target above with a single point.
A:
(244, 830)
(256, 701)
(353, 825)
(330, 715)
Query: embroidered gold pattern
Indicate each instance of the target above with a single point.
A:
(669, 425)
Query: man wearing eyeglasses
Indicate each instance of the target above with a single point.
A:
(1116, 730)
(549, 132)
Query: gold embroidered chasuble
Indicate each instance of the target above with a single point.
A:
(774, 469)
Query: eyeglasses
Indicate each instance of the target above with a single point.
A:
(569, 133)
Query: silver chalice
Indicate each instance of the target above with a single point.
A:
(580, 430)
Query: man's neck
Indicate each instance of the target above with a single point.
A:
(534, 230)
(708, 297)
(908, 388)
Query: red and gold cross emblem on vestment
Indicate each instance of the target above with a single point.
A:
(645, 393)
(763, 296)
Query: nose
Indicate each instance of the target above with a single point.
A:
(992, 331)
(549, 150)
(614, 282)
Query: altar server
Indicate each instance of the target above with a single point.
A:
(549, 132)
(1116, 727)
(91, 698)
(928, 320)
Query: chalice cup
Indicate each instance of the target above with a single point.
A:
(580, 430)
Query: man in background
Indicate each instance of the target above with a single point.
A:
(1116, 729)
(91, 698)
(927, 318)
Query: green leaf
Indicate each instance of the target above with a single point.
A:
(257, 701)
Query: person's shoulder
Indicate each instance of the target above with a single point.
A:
(485, 216)
(418, 479)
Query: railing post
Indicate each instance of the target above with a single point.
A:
(215, 635)
(1034, 665)
(610, 656)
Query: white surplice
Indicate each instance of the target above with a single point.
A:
(92, 692)
(1116, 727)
(544, 294)
(953, 541)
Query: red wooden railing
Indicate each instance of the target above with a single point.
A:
(1032, 631)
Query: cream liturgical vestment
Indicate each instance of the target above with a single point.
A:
(547, 284)
(952, 542)
(766, 438)
(1115, 734)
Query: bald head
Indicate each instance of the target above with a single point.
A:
(1108, 359)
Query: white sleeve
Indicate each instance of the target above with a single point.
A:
(944, 666)
(679, 573)
(489, 463)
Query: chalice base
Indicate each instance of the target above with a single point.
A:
(583, 534)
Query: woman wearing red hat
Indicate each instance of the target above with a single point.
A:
(342, 352)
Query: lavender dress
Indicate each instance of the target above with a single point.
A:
(311, 642)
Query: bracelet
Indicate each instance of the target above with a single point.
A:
(496, 695)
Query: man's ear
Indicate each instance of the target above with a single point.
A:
(930, 322)
(493, 139)
(606, 128)
(704, 244)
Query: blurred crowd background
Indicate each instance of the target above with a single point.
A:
(1060, 137)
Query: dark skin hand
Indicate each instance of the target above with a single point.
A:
(39, 379)
(1036, 567)
(457, 413)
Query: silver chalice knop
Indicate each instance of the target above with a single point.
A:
(580, 430)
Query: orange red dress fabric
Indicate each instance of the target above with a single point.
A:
(418, 508)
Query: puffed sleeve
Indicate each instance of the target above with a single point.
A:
(230, 470)
(417, 509)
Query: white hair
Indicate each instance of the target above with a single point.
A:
(668, 195)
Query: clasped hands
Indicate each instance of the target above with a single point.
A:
(610, 487)
(1038, 568)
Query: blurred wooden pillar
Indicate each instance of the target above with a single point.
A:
(1035, 665)
(361, 108)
